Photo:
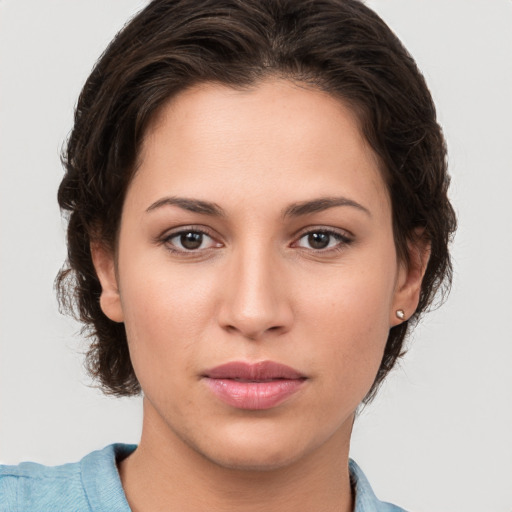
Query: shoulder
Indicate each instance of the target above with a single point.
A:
(88, 485)
(31, 486)
(366, 501)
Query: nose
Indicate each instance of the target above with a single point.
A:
(255, 300)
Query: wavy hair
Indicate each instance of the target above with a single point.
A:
(338, 46)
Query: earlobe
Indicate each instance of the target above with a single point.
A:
(410, 277)
(104, 264)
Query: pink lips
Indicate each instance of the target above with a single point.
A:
(256, 386)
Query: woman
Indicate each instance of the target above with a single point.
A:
(257, 214)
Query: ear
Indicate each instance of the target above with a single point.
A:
(410, 277)
(104, 264)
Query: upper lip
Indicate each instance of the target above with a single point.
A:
(260, 371)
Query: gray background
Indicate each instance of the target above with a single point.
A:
(438, 436)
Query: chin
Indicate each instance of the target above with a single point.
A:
(246, 459)
(256, 451)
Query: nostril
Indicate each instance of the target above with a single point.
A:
(253, 334)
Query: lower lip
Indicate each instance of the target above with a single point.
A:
(254, 395)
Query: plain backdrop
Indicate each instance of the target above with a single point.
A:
(438, 437)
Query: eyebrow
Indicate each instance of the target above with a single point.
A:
(192, 205)
(293, 210)
(321, 204)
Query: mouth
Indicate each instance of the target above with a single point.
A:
(256, 386)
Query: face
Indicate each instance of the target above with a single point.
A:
(256, 273)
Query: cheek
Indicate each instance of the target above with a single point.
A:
(351, 333)
(347, 313)
(166, 313)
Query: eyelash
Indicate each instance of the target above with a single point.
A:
(342, 240)
(166, 239)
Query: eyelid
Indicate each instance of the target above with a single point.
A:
(180, 230)
(345, 233)
(343, 236)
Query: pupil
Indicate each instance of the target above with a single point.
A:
(318, 240)
(191, 240)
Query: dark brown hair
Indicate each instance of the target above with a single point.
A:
(339, 46)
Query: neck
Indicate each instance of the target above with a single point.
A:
(165, 473)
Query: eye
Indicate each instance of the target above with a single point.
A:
(190, 240)
(321, 240)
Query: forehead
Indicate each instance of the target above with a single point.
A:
(212, 111)
(274, 136)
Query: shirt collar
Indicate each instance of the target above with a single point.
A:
(366, 501)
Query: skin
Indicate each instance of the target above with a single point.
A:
(254, 290)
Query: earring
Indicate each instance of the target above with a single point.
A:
(400, 314)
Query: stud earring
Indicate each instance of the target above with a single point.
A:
(400, 314)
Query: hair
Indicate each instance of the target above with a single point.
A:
(337, 46)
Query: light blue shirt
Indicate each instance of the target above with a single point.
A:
(93, 485)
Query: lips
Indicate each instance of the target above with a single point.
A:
(255, 386)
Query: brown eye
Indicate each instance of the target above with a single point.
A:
(323, 240)
(318, 240)
(191, 240)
